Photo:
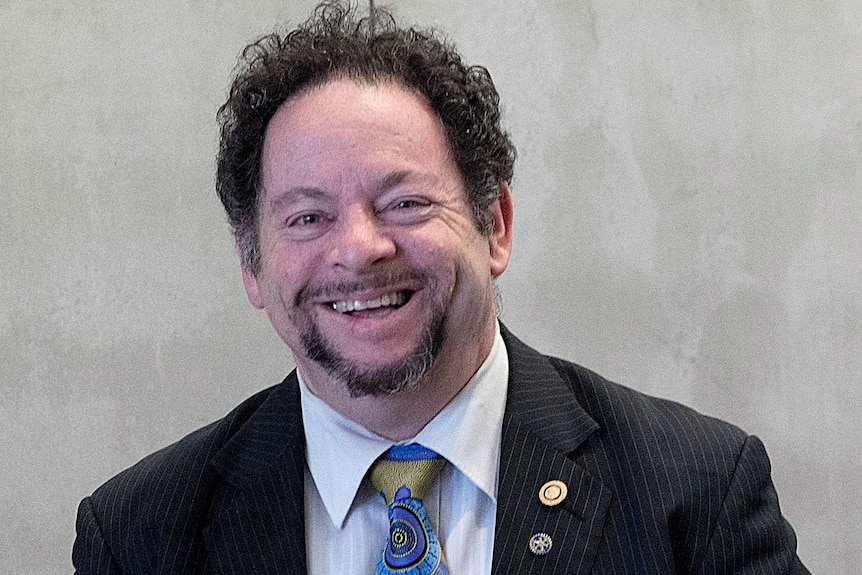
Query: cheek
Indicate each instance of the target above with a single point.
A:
(439, 261)
(275, 288)
(287, 265)
(475, 256)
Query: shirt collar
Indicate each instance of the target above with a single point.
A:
(466, 432)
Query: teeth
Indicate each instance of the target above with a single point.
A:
(395, 298)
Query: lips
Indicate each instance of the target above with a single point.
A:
(393, 299)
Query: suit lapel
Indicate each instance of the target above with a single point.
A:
(257, 522)
(542, 426)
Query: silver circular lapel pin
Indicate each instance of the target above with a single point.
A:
(540, 544)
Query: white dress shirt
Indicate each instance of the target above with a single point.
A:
(346, 523)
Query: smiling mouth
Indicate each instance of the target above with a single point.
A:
(393, 300)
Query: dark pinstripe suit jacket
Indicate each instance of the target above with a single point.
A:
(653, 487)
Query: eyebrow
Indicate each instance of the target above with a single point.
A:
(401, 176)
(392, 180)
(294, 194)
(310, 192)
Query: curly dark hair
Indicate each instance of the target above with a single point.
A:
(335, 43)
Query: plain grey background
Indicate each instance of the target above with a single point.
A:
(688, 222)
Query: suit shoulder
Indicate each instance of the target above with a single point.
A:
(672, 429)
(181, 467)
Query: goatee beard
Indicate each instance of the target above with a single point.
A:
(395, 377)
(389, 379)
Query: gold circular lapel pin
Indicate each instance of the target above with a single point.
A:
(553, 493)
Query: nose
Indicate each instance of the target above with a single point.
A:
(361, 241)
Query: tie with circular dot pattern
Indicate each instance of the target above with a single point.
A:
(402, 476)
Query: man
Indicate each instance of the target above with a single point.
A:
(366, 177)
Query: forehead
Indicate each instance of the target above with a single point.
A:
(343, 95)
(346, 140)
(344, 119)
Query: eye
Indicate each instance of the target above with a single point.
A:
(304, 220)
(408, 204)
(303, 226)
(407, 210)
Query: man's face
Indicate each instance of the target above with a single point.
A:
(371, 268)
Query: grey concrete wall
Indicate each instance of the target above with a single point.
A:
(688, 210)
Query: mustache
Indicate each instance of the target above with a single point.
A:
(334, 289)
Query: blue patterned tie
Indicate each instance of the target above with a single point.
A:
(403, 475)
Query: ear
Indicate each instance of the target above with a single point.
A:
(249, 281)
(500, 240)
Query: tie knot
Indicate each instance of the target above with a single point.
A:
(406, 471)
